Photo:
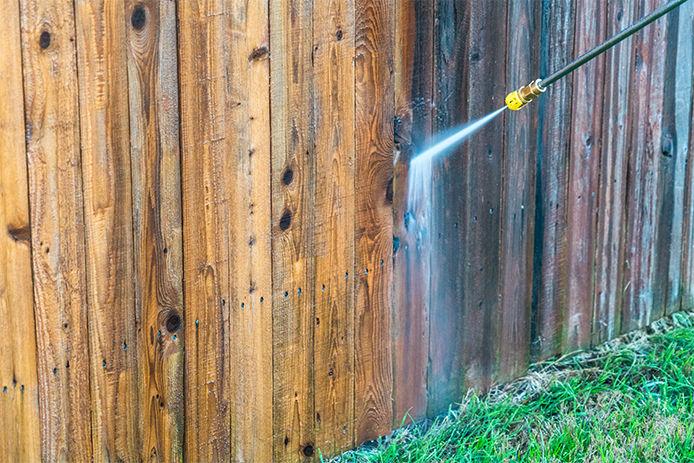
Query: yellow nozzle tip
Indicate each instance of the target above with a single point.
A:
(514, 101)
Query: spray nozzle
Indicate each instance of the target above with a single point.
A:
(524, 95)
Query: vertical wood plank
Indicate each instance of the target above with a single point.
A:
(413, 86)
(582, 199)
(644, 148)
(481, 218)
(293, 203)
(609, 255)
(374, 217)
(20, 438)
(447, 202)
(518, 206)
(333, 109)
(157, 230)
(57, 240)
(550, 250)
(105, 146)
(247, 136)
(205, 182)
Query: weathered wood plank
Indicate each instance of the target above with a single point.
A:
(206, 179)
(20, 438)
(481, 218)
(333, 292)
(584, 155)
(518, 205)
(644, 151)
(157, 234)
(413, 60)
(247, 136)
(446, 200)
(550, 251)
(57, 238)
(293, 203)
(374, 99)
(611, 217)
(105, 148)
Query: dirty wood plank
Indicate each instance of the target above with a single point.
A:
(57, 240)
(518, 205)
(157, 230)
(20, 438)
(333, 291)
(684, 115)
(248, 151)
(481, 219)
(644, 150)
(609, 254)
(413, 87)
(293, 203)
(550, 250)
(584, 155)
(206, 188)
(105, 148)
(446, 199)
(374, 217)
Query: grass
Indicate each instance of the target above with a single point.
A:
(630, 400)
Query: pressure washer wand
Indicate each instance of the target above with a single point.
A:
(524, 95)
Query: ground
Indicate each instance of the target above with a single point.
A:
(630, 400)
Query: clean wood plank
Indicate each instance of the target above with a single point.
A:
(518, 201)
(157, 230)
(20, 438)
(333, 291)
(609, 254)
(206, 194)
(481, 218)
(247, 136)
(105, 147)
(644, 149)
(582, 199)
(374, 217)
(550, 250)
(447, 202)
(293, 203)
(413, 86)
(57, 238)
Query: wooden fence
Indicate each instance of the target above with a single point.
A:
(206, 251)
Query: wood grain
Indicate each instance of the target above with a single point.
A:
(413, 87)
(157, 230)
(333, 291)
(584, 155)
(206, 184)
(550, 269)
(247, 138)
(293, 203)
(20, 438)
(105, 149)
(374, 97)
(609, 240)
(57, 238)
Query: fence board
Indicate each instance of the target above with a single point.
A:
(57, 239)
(334, 213)
(20, 438)
(206, 186)
(293, 268)
(612, 181)
(157, 233)
(413, 129)
(374, 96)
(684, 117)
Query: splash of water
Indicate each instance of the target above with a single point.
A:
(419, 181)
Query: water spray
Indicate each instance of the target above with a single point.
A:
(524, 95)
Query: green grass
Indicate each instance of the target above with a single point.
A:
(629, 401)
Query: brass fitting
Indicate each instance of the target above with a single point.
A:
(524, 95)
